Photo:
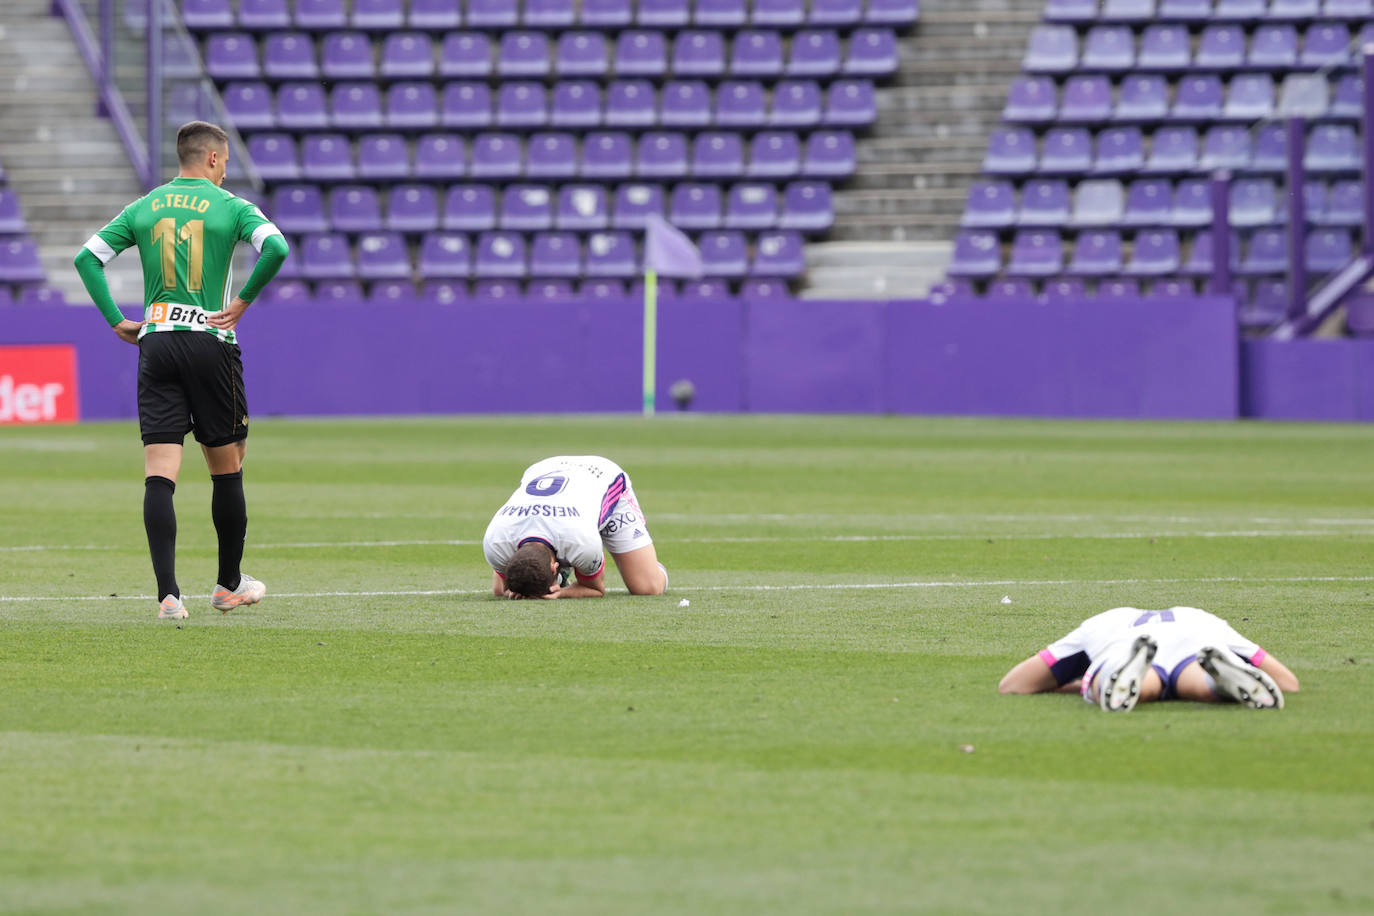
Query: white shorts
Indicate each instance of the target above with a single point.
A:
(1179, 643)
(624, 528)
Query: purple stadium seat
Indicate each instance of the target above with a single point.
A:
(991, 204)
(179, 57)
(551, 156)
(1173, 149)
(383, 157)
(1086, 99)
(1267, 302)
(814, 53)
(497, 288)
(326, 256)
(740, 103)
(684, 103)
(383, 256)
(633, 204)
(1220, 47)
(607, 155)
(1064, 289)
(557, 15)
(185, 102)
(556, 254)
(751, 206)
(338, 291)
(717, 155)
(1143, 97)
(1314, 194)
(849, 103)
(1347, 9)
(300, 106)
(412, 208)
(1118, 289)
(1332, 148)
(1165, 47)
(611, 254)
(1171, 288)
(1155, 252)
(526, 208)
(1035, 253)
(465, 55)
(1345, 204)
(576, 104)
(757, 54)
(1249, 97)
(1198, 99)
(1101, 202)
(434, 15)
(606, 14)
(1096, 253)
(601, 289)
(1266, 252)
(1225, 147)
(1148, 203)
(1347, 97)
(783, 14)
(663, 14)
(327, 157)
(1119, 150)
(695, 207)
(1066, 151)
(232, 56)
(285, 292)
(1238, 10)
(976, 254)
(1192, 204)
(582, 207)
(274, 156)
(202, 15)
(1328, 249)
(662, 155)
(377, 15)
(807, 207)
(19, 262)
(11, 217)
(699, 289)
(797, 103)
(699, 54)
(522, 105)
(1074, 11)
(496, 155)
(320, 14)
(778, 254)
(764, 288)
(1031, 100)
(1051, 49)
(466, 105)
(872, 53)
(1044, 202)
(724, 253)
(1108, 47)
(640, 53)
(500, 255)
(1274, 46)
(346, 56)
(837, 14)
(1253, 202)
(440, 157)
(264, 15)
(774, 155)
(1271, 148)
(630, 103)
(580, 54)
(289, 55)
(1293, 9)
(1325, 44)
(829, 154)
(1011, 151)
(391, 292)
(407, 55)
(411, 105)
(299, 208)
(900, 14)
(492, 14)
(721, 14)
(523, 55)
(1198, 262)
(355, 106)
(470, 208)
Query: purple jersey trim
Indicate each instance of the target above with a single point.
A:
(1065, 669)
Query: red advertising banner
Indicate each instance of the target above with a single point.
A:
(38, 384)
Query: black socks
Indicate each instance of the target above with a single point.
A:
(160, 521)
(230, 515)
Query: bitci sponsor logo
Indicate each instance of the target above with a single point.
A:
(37, 384)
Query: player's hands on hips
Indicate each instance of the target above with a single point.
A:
(227, 317)
(127, 330)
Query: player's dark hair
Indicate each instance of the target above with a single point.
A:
(529, 572)
(196, 139)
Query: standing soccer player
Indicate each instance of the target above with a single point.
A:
(190, 376)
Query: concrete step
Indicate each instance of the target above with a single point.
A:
(875, 269)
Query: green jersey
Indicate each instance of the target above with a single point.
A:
(185, 231)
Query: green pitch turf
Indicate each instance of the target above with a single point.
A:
(818, 731)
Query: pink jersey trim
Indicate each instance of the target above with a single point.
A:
(1258, 658)
(500, 574)
(592, 578)
(1047, 657)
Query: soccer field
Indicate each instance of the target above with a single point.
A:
(818, 731)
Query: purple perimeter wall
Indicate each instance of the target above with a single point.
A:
(1166, 359)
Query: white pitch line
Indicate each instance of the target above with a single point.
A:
(794, 587)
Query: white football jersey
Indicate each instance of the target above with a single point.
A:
(562, 501)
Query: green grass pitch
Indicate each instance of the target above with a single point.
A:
(382, 736)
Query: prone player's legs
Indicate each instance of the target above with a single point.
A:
(642, 572)
(625, 535)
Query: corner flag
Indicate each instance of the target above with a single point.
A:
(669, 252)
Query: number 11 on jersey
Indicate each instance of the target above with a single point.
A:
(166, 234)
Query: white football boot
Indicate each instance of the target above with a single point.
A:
(171, 608)
(1118, 691)
(1239, 680)
(250, 591)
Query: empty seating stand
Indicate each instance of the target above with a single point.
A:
(528, 141)
(22, 278)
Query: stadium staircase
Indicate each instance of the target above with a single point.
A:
(69, 168)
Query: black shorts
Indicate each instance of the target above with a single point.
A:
(190, 380)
